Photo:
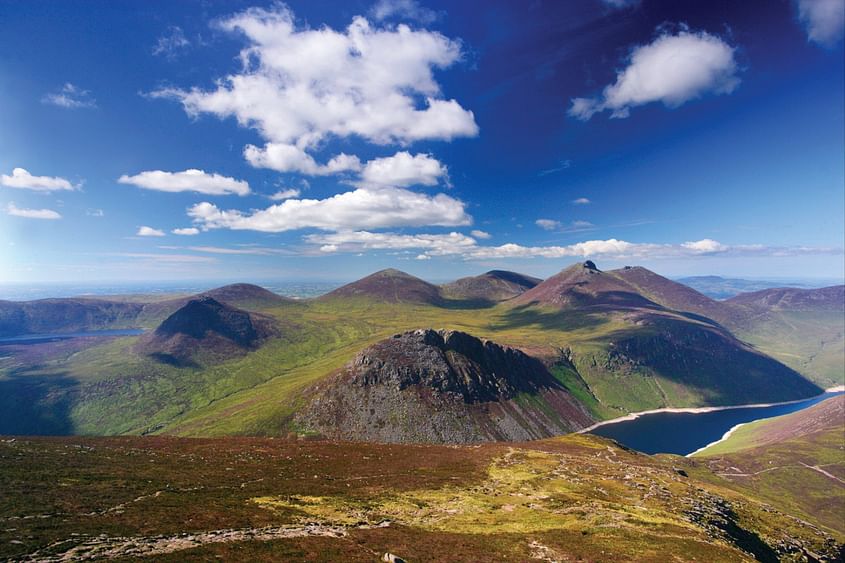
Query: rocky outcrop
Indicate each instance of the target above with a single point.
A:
(441, 387)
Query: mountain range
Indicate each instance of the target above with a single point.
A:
(242, 360)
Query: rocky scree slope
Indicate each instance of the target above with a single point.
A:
(441, 386)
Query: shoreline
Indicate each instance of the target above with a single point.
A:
(724, 437)
(697, 410)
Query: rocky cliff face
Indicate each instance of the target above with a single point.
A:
(441, 387)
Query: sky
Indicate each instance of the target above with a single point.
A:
(323, 140)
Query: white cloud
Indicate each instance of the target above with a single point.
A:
(191, 180)
(282, 195)
(581, 201)
(404, 170)
(145, 231)
(172, 44)
(459, 245)
(480, 234)
(824, 20)
(299, 87)
(406, 9)
(548, 224)
(70, 97)
(187, 231)
(11, 209)
(357, 241)
(362, 208)
(95, 213)
(705, 246)
(673, 69)
(22, 179)
(258, 251)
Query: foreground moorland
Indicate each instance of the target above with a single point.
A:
(577, 497)
(614, 342)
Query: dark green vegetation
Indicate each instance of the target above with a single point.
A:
(618, 341)
(564, 499)
(796, 462)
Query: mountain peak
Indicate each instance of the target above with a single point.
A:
(392, 286)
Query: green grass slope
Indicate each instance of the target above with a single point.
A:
(795, 461)
(616, 354)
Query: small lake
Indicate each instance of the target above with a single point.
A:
(52, 337)
(684, 433)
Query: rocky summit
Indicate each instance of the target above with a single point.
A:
(441, 386)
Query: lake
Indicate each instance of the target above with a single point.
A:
(684, 433)
(38, 338)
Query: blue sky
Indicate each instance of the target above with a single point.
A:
(326, 140)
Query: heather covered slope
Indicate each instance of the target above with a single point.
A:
(205, 328)
(441, 387)
(389, 286)
(796, 462)
(576, 498)
(491, 287)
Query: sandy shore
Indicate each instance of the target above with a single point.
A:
(636, 415)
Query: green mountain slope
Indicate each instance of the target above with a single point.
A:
(795, 461)
(612, 347)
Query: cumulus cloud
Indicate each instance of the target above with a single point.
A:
(362, 208)
(402, 170)
(581, 201)
(15, 211)
(458, 245)
(405, 9)
(299, 87)
(22, 179)
(548, 224)
(171, 44)
(484, 235)
(357, 241)
(283, 157)
(672, 69)
(705, 246)
(282, 195)
(70, 97)
(824, 20)
(186, 231)
(190, 180)
(145, 231)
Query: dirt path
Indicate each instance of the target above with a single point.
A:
(102, 547)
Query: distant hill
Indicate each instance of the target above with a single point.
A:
(717, 287)
(65, 315)
(389, 286)
(795, 461)
(492, 287)
(794, 299)
(441, 387)
(584, 285)
(205, 327)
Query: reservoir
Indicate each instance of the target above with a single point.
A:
(52, 337)
(685, 432)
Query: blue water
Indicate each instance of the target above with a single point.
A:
(684, 433)
(36, 338)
